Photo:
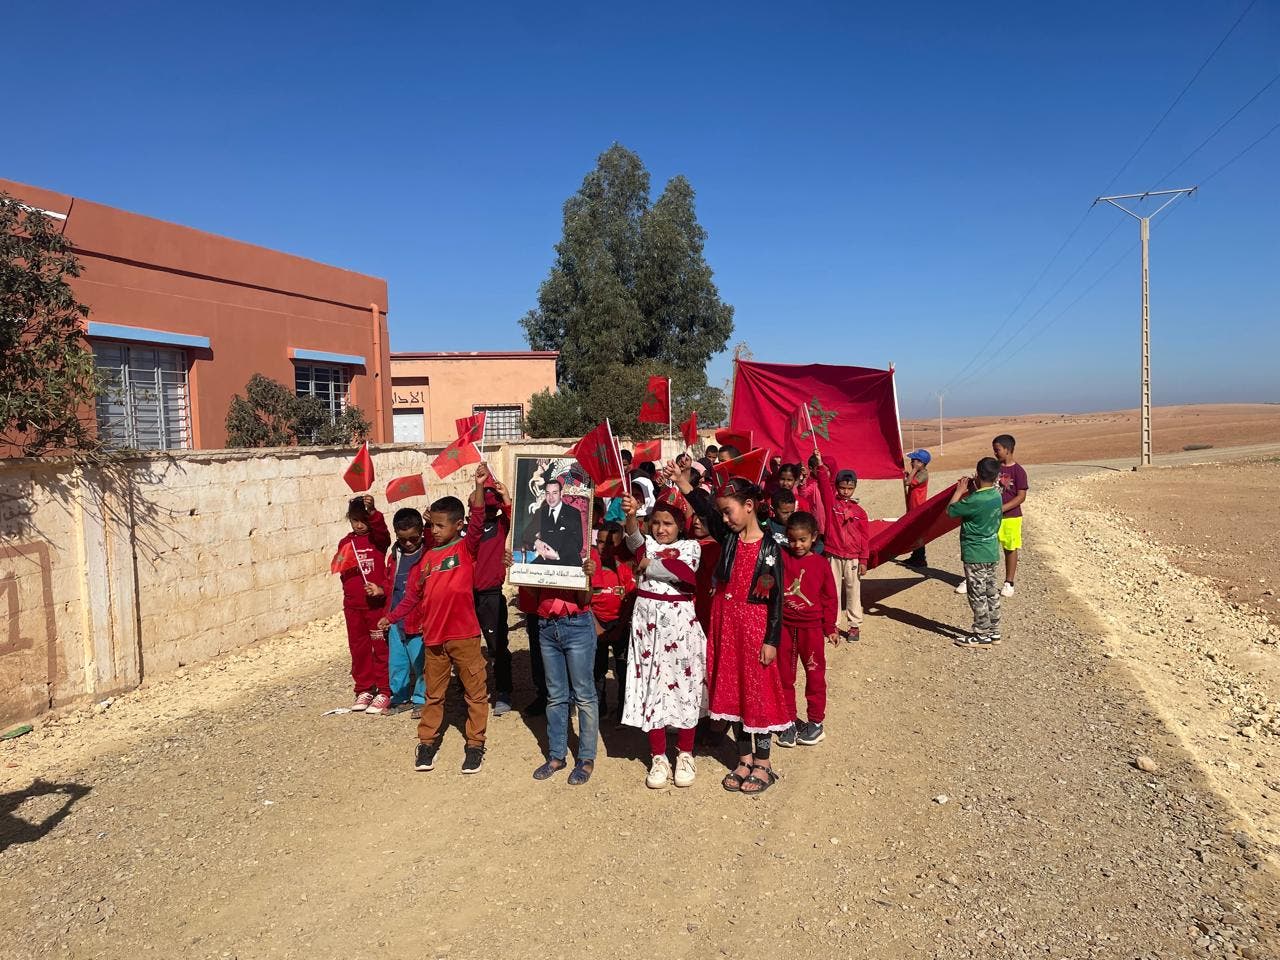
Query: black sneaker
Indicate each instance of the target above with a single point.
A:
(787, 737)
(994, 637)
(974, 640)
(808, 733)
(425, 759)
(473, 760)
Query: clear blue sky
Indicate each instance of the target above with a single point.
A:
(879, 183)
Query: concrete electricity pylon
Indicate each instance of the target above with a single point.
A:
(1144, 232)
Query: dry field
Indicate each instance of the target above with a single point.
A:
(1091, 437)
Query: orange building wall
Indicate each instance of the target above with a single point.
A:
(253, 304)
(448, 385)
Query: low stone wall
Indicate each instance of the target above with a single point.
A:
(114, 573)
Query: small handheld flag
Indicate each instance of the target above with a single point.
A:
(648, 451)
(458, 454)
(657, 402)
(689, 430)
(402, 488)
(359, 473)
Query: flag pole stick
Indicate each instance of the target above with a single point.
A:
(813, 434)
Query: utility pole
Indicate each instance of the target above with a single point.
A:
(940, 394)
(1144, 233)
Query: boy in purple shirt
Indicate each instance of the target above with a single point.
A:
(1013, 490)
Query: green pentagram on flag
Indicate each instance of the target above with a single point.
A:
(651, 399)
(820, 419)
(453, 453)
(601, 453)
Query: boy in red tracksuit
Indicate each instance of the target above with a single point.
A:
(613, 587)
(847, 541)
(491, 573)
(444, 602)
(809, 605)
(364, 595)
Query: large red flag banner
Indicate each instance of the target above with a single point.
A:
(853, 412)
(359, 474)
(657, 402)
(926, 522)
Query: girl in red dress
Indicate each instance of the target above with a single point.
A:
(746, 626)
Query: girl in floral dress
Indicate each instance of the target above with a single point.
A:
(746, 626)
(667, 655)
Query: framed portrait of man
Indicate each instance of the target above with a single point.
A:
(550, 522)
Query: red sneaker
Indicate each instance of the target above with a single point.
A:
(362, 702)
(381, 704)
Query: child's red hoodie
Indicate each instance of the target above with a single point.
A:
(371, 551)
(809, 592)
(846, 535)
(610, 589)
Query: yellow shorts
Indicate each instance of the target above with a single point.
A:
(1011, 533)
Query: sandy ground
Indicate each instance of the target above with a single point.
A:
(965, 803)
(1093, 437)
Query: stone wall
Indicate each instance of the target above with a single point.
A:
(112, 574)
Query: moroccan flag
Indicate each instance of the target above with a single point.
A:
(649, 451)
(926, 522)
(744, 440)
(359, 475)
(749, 466)
(800, 440)
(598, 455)
(345, 559)
(657, 402)
(471, 429)
(455, 456)
(853, 410)
(403, 487)
(689, 430)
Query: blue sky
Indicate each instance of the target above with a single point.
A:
(880, 183)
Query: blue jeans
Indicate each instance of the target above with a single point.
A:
(404, 666)
(569, 656)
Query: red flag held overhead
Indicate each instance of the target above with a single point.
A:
(403, 487)
(455, 456)
(471, 429)
(749, 466)
(359, 474)
(689, 430)
(649, 451)
(800, 436)
(744, 440)
(597, 453)
(657, 402)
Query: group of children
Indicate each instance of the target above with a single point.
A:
(707, 594)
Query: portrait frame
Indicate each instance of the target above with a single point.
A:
(542, 548)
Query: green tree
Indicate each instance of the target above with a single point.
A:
(629, 295)
(48, 385)
(271, 415)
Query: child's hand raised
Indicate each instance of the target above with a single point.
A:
(482, 474)
(368, 503)
(629, 505)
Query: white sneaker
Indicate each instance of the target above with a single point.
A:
(659, 773)
(685, 770)
(1007, 589)
(962, 586)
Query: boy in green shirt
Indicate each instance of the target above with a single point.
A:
(977, 502)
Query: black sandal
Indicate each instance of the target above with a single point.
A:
(764, 784)
(732, 782)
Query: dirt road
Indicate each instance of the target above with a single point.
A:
(965, 804)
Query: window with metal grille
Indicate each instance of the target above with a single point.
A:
(143, 402)
(502, 423)
(326, 384)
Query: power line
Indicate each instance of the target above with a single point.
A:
(1181, 93)
(1217, 130)
(1240, 154)
(956, 380)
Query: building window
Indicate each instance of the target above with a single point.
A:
(143, 403)
(502, 423)
(326, 384)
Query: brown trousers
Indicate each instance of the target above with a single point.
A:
(468, 657)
